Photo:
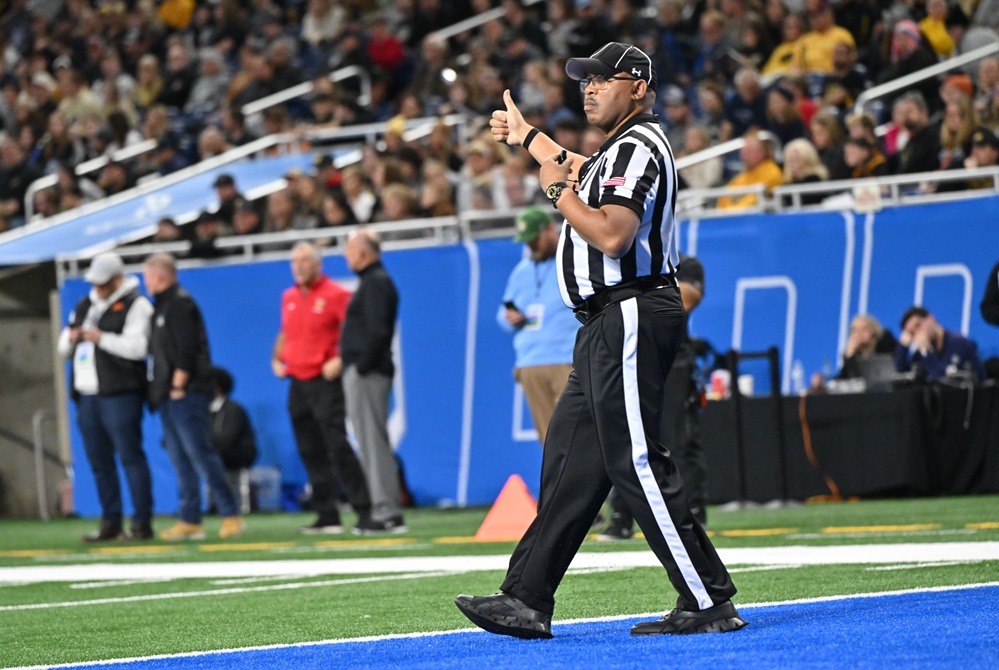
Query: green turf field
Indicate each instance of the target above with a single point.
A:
(83, 602)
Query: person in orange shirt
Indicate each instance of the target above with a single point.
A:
(759, 168)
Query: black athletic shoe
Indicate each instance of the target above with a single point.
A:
(140, 531)
(616, 531)
(721, 618)
(322, 527)
(505, 615)
(108, 532)
(369, 526)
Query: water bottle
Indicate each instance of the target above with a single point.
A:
(798, 378)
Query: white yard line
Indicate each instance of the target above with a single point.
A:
(904, 553)
(403, 636)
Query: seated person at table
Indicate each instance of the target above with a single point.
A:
(867, 337)
(941, 353)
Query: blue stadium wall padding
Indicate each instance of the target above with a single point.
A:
(790, 280)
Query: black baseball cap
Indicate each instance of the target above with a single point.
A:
(612, 58)
(224, 180)
(983, 137)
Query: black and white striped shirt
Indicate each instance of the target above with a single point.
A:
(634, 169)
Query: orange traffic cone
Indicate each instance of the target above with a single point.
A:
(511, 514)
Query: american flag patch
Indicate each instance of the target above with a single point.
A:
(616, 181)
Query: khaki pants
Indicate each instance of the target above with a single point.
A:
(542, 386)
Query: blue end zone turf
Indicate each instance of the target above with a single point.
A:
(952, 628)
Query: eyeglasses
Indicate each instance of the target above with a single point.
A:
(599, 82)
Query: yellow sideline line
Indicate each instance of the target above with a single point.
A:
(32, 553)
(384, 542)
(984, 525)
(881, 529)
(758, 532)
(155, 549)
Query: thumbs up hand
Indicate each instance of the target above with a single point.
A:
(508, 125)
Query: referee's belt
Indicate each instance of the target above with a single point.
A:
(595, 304)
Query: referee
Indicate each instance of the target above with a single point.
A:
(616, 257)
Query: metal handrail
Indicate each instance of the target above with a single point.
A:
(919, 75)
(303, 89)
(473, 22)
(86, 167)
(709, 153)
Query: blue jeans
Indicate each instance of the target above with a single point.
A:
(112, 424)
(187, 434)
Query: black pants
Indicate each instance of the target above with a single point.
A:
(605, 431)
(680, 434)
(317, 414)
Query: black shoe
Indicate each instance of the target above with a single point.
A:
(140, 531)
(616, 530)
(718, 619)
(322, 527)
(108, 532)
(369, 526)
(505, 615)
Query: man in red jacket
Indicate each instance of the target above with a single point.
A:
(308, 351)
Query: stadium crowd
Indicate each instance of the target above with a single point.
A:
(82, 79)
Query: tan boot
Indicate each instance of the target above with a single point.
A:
(232, 526)
(183, 530)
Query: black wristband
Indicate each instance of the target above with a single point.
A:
(530, 138)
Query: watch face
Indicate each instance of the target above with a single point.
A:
(553, 191)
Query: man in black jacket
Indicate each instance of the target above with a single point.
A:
(366, 348)
(107, 338)
(181, 388)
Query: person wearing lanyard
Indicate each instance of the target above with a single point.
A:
(616, 259)
(543, 330)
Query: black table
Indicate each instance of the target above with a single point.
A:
(927, 440)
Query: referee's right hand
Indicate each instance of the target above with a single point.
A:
(508, 125)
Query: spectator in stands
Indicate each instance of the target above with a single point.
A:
(934, 28)
(782, 117)
(306, 194)
(428, 82)
(15, 177)
(115, 178)
(78, 101)
(959, 122)
(862, 18)
(759, 167)
(178, 80)
(167, 230)
(229, 197)
(713, 60)
(707, 173)
(862, 124)
(592, 29)
(207, 229)
(786, 56)
(337, 211)
(438, 192)
(211, 143)
(282, 214)
(827, 138)
(987, 85)
(968, 35)
(746, 108)
(58, 145)
(399, 203)
(818, 44)
(802, 166)
(149, 84)
(920, 153)
(711, 108)
(867, 337)
(479, 178)
(210, 86)
(323, 21)
(168, 157)
(233, 126)
(909, 53)
(847, 80)
(246, 219)
(754, 46)
(281, 56)
(362, 200)
(863, 158)
(113, 74)
(984, 154)
(939, 353)
(679, 117)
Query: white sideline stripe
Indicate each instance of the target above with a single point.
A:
(221, 592)
(853, 554)
(405, 636)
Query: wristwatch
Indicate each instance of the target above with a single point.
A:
(554, 191)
